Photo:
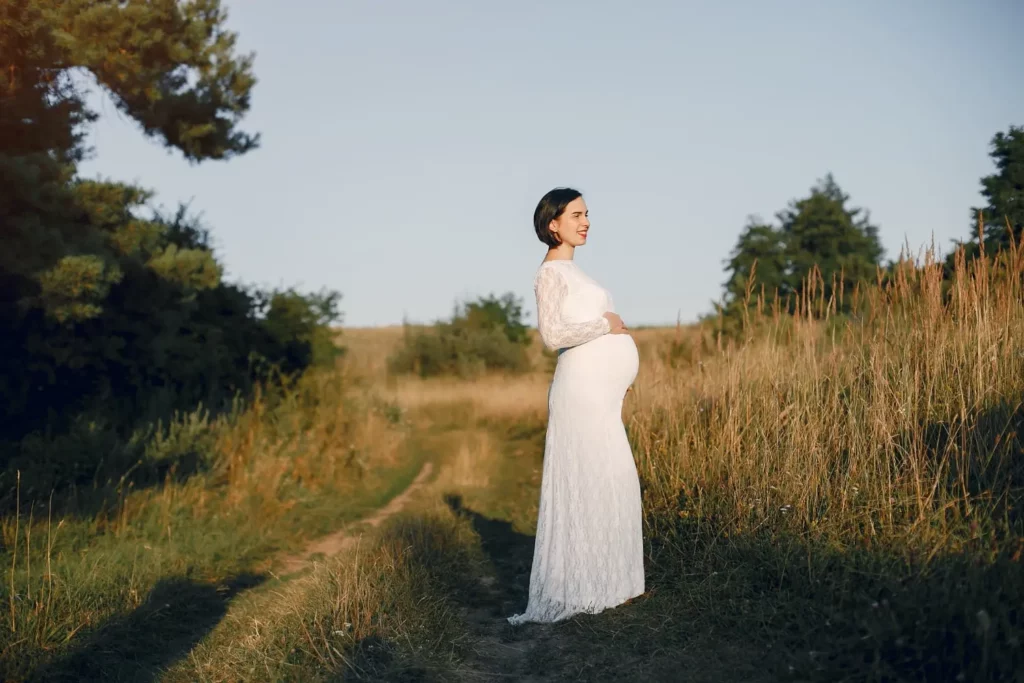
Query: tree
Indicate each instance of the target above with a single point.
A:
(760, 252)
(822, 231)
(169, 66)
(100, 307)
(818, 232)
(1003, 214)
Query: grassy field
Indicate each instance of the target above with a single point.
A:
(117, 579)
(829, 498)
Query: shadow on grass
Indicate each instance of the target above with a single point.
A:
(985, 452)
(418, 627)
(139, 646)
(776, 608)
(510, 552)
(90, 469)
(384, 661)
(855, 608)
(822, 614)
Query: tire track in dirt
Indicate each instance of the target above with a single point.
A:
(247, 620)
(345, 538)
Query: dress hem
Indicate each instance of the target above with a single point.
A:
(562, 612)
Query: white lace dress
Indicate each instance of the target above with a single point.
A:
(588, 554)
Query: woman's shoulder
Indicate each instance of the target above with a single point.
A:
(555, 272)
(552, 266)
(561, 264)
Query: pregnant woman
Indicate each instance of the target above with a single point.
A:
(588, 554)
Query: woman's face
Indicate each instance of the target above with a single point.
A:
(572, 226)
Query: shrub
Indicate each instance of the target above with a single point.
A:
(167, 334)
(483, 335)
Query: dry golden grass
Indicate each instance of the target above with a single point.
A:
(368, 348)
(467, 464)
(902, 424)
(376, 611)
(289, 466)
(842, 492)
(495, 396)
(867, 426)
(345, 616)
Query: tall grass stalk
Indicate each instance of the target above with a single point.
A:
(897, 422)
(207, 499)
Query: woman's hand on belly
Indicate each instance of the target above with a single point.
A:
(618, 327)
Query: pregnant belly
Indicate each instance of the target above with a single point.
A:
(607, 365)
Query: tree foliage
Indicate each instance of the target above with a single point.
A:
(101, 307)
(761, 249)
(820, 233)
(503, 314)
(169, 65)
(1002, 218)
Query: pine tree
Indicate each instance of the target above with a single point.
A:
(819, 232)
(1003, 215)
(822, 232)
(759, 260)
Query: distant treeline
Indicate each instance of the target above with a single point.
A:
(819, 242)
(110, 313)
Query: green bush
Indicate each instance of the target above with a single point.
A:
(483, 335)
(166, 334)
(300, 327)
(90, 459)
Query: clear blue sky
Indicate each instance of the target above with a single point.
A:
(405, 144)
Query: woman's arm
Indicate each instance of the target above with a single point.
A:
(551, 290)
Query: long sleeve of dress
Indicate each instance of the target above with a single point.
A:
(551, 289)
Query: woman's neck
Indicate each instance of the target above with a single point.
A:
(563, 252)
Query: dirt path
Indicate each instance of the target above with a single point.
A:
(487, 477)
(346, 537)
(493, 655)
(651, 638)
(493, 652)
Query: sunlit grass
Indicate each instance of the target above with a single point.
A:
(825, 496)
(266, 478)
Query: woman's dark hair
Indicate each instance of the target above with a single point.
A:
(548, 209)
